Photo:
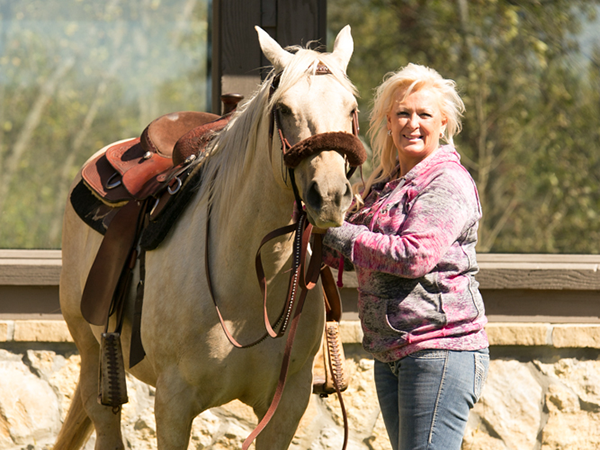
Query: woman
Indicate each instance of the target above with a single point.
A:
(411, 239)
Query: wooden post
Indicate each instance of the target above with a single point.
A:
(236, 57)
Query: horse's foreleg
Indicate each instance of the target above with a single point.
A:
(281, 429)
(173, 412)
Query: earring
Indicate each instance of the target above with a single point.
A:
(389, 132)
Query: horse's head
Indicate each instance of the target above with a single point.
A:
(312, 115)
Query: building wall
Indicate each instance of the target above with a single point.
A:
(543, 392)
(543, 389)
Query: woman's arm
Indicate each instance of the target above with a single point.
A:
(436, 219)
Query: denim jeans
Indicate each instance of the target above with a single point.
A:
(425, 397)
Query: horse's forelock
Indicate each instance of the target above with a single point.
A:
(305, 64)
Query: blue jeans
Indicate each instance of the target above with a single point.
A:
(425, 397)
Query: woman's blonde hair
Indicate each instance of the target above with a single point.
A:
(410, 78)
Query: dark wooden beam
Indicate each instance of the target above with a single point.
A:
(236, 57)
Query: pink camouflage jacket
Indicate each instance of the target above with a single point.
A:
(413, 248)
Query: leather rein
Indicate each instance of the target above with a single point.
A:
(303, 276)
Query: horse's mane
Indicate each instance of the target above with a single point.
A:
(234, 148)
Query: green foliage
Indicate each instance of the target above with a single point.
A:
(76, 75)
(530, 132)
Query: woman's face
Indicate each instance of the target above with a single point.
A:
(416, 123)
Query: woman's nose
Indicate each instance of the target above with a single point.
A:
(413, 121)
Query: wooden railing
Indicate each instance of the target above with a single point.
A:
(515, 287)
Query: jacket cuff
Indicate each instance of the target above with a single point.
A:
(342, 238)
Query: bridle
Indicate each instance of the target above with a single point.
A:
(303, 277)
(347, 144)
(353, 150)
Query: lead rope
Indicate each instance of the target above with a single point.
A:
(305, 279)
(313, 276)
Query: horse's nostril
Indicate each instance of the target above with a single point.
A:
(345, 197)
(338, 198)
(313, 196)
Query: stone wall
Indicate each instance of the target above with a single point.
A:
(543, 392)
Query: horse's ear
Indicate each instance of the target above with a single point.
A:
(343, 47)
(272, 50)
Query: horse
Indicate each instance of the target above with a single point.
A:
(189, 360)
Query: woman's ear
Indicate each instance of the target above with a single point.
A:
(444, 123)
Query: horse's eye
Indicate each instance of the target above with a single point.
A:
(284, 109)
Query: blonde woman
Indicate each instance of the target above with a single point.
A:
(411, 240)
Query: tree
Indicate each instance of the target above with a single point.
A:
(76, 76)
(530, 134)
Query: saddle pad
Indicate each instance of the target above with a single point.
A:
(95, 213)
(156, 229)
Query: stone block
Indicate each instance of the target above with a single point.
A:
(581, 377)
(510, 407)
(526, 334)
(3, 331)
(28, 406)
(41, 331)
(476, 439)
(576, 336)
(351, 332)
(578, 430)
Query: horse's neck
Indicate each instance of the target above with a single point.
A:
(259, 207)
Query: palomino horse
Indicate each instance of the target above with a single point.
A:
(188, 357)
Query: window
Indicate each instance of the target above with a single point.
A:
(529, 74)
(76, 75)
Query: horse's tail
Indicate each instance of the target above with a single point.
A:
(76, 428)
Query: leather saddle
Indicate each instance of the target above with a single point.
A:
(136, 187)
(139, 168)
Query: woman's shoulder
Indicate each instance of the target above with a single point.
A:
(447, 174)
(446, 164)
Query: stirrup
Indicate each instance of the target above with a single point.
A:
(112, 385)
